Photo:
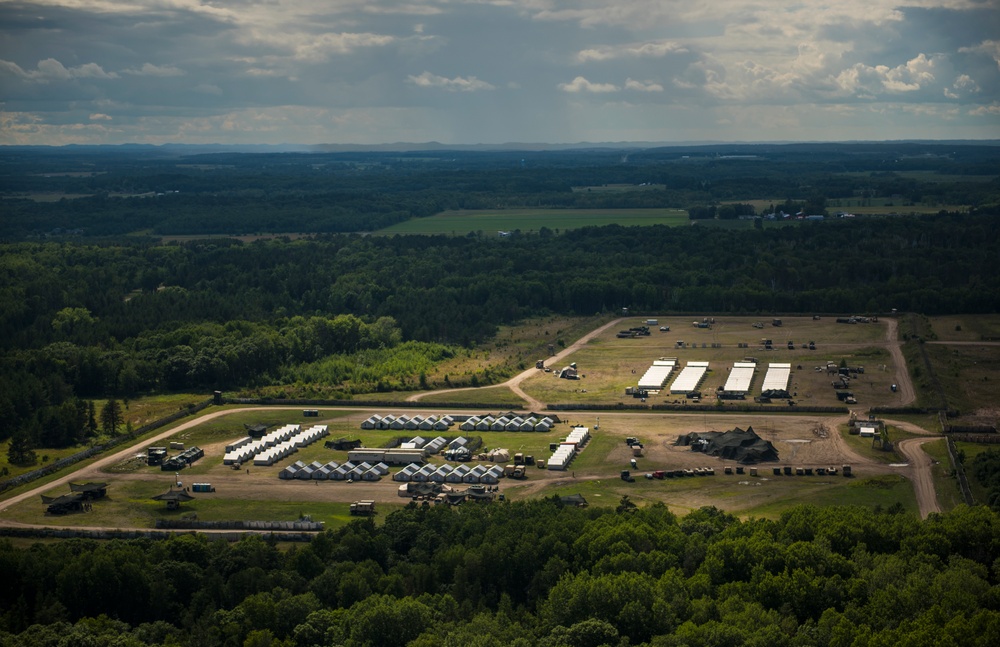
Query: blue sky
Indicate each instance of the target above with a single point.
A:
(495, 71)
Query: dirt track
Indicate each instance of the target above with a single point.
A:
(786, 431)
(514, 383)
(907, 394)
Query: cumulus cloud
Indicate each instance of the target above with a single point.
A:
(989, 47)
(457, 84)
(656, 49)
(643, 86)
(148, 69)
(869, 81)
(581, 84)
(52, 70)
(100, 116)
(321, 47)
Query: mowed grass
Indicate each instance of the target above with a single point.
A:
(970, 377)
(129, 504)
(762, 496)
(464, 222)
(966, 327)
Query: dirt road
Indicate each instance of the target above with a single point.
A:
(904, 384)
(920, 466)
(514, 383)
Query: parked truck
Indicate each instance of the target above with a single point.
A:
(363, 508)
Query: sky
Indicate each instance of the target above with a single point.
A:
(496, 71)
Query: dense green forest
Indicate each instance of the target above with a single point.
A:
(122, 317)
(175, 191)
(531, 573)
(92, 306)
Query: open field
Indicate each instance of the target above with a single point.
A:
(260, 495)
(610, 364)
(966, 327)
(618, 188)
(461, 223)
(970, 376)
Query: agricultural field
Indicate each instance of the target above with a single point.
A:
(462, 223)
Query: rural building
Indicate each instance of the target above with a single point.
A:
(569, 372)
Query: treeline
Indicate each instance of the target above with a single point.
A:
(532, 573)
(986, 470)
(166, 193)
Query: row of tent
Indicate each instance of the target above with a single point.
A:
(275, 445)
(505, 423)
(568, 448)
(303, 439)
(334, 471)
(243, 450)
(433, 446)
(389, 421)
(489, 475)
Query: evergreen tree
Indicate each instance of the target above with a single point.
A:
(20, 451)
(111, 417)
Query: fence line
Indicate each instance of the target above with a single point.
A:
(55, 466)
(963, 481)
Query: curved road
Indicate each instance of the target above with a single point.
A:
(919, 463)
(920, 466)
(514, 383)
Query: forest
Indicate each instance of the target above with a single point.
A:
(121, 317)
(95, 305)
(173, 190)
(526, 573)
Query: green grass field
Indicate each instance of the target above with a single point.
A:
(744, 496)
(461, 223)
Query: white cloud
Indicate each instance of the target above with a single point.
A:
(643, 86)
(990, 110)
(963, 86)
(321, 47)
(52, 70)
(100, 116)
(457, 84)
(868, 81)
(655, 49)
(580, 84)
(988, 47)
(148, 69)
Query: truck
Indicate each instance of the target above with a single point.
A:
(627, 476)
(365, 507)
